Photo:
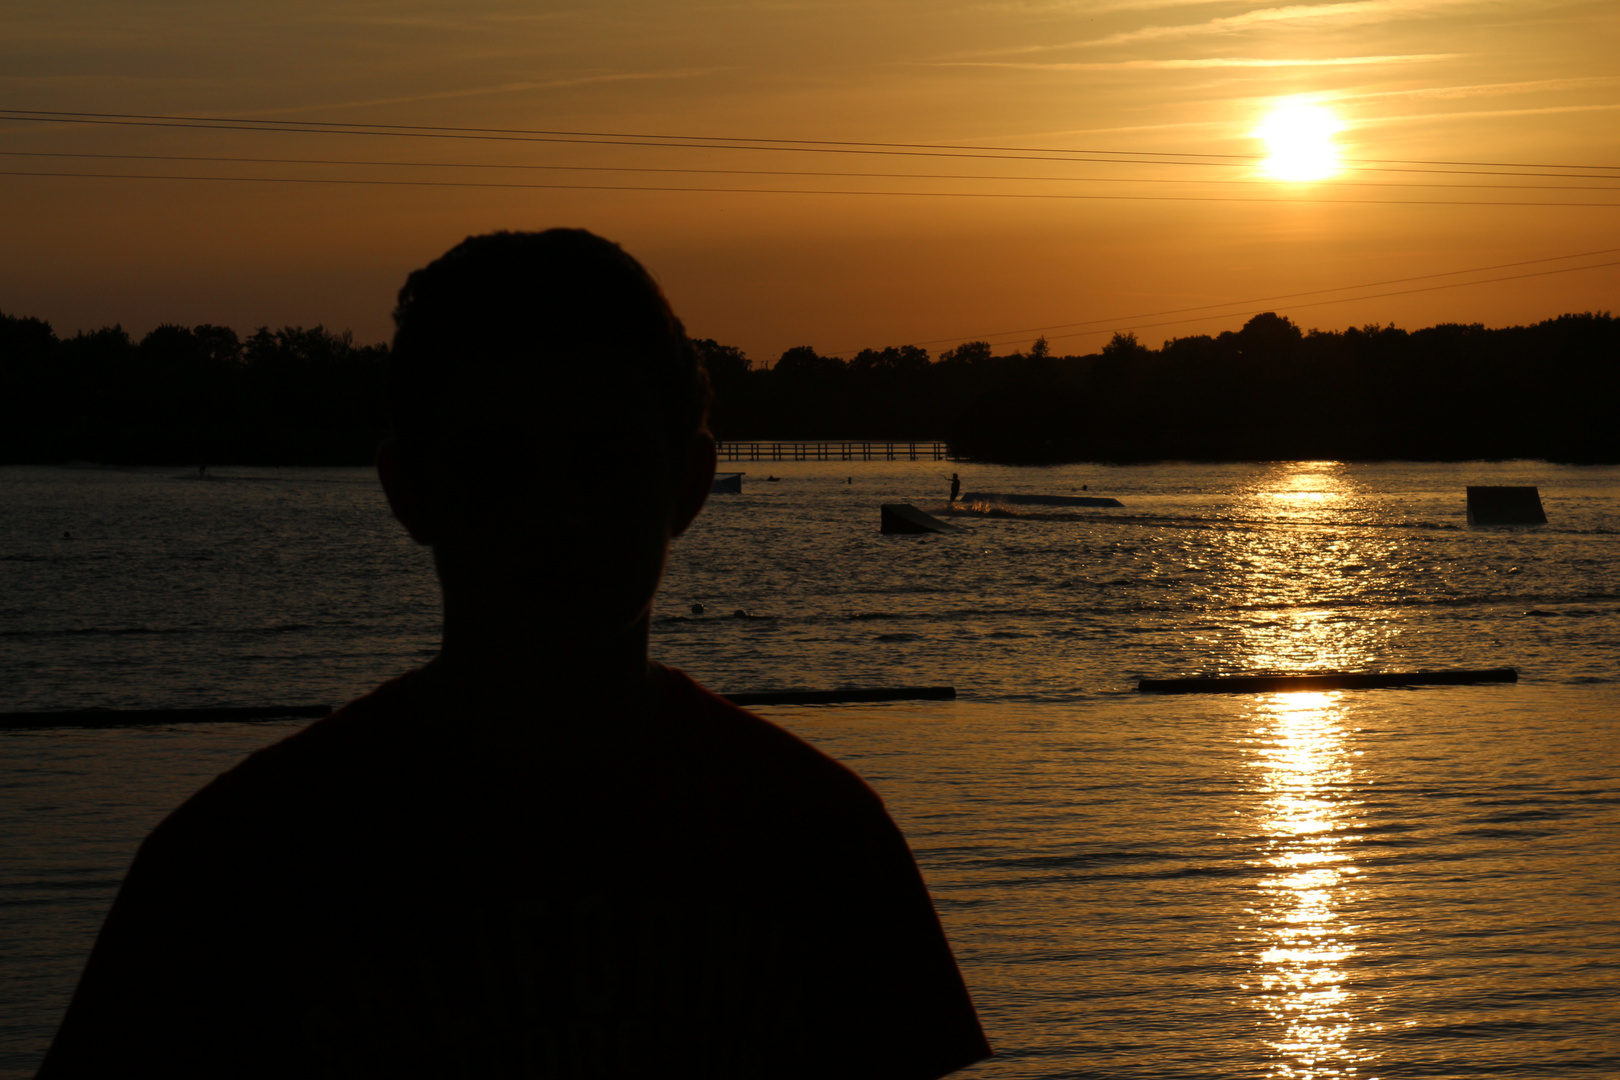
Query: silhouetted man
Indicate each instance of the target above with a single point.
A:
(542, 854)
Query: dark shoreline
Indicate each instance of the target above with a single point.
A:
(1268, 392)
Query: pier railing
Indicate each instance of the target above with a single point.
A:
(833, 450)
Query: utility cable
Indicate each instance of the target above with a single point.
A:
(1113, 322)
(493, 135)
(1298, 199)
(1322, 303)
(774, 172)
(293, 125)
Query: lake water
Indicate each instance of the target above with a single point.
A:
(1380, 883)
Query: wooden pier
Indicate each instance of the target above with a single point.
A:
(833, 450)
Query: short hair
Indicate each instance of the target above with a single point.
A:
(560, 330)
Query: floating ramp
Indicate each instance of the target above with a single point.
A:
(834, 697)
(1505, 506)
(727, 483)
(1037, 500)
(1330, 680)
(905, 518)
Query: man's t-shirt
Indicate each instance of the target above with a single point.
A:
(403, 889)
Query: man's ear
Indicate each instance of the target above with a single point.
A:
(404, 488)
(693, 487)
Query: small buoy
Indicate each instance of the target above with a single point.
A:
(697, 609)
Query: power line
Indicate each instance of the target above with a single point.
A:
(1314, 303)
(771, 172)
(796, 146)
(1113, 322)
(1299, 199)
(293, 125)
(401, 132)
(1379, 296)
(926, 150)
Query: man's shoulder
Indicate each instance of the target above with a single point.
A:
(401, 750)
(739, 741)
(280, 784)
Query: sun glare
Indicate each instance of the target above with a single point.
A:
(1299, 142)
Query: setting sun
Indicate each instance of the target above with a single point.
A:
(1299, 142)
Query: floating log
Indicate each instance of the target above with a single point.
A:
(1038, 500)
(1505, 506)
(727, 483)
(1329, 680)
(108, 718)
(115, 718)
(905, 518)
(833, 697)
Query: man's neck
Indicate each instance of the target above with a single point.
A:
(492, 655)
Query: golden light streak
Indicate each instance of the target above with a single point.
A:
(1305, 939)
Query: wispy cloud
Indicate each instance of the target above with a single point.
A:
(504, 88)
(1536, 86)
(457, 21)
(1208, 62)
(1430, 93)
(1355, 11)
(1345, 13)
(1149, 5)
(1480, 114)
(1103, 7)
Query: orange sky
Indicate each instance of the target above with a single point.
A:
(970, 247)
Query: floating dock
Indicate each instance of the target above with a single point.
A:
(1035, 500)
(832, 450)
(1329, 680)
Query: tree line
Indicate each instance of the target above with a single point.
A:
(1263, 393)
(199, 396)
(1270, 391)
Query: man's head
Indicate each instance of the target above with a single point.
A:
(549, 418)
(507, 325)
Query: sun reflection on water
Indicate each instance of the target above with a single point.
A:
(1308, 580)
(1308, 577)
(1309, 872)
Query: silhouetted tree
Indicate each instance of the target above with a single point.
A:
(734, 395)
(803, 360)
(906, 359)
(1123, 346)
(33, 413)
(967, 354)
(184, 403)
(96, 372)
(722, 361)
